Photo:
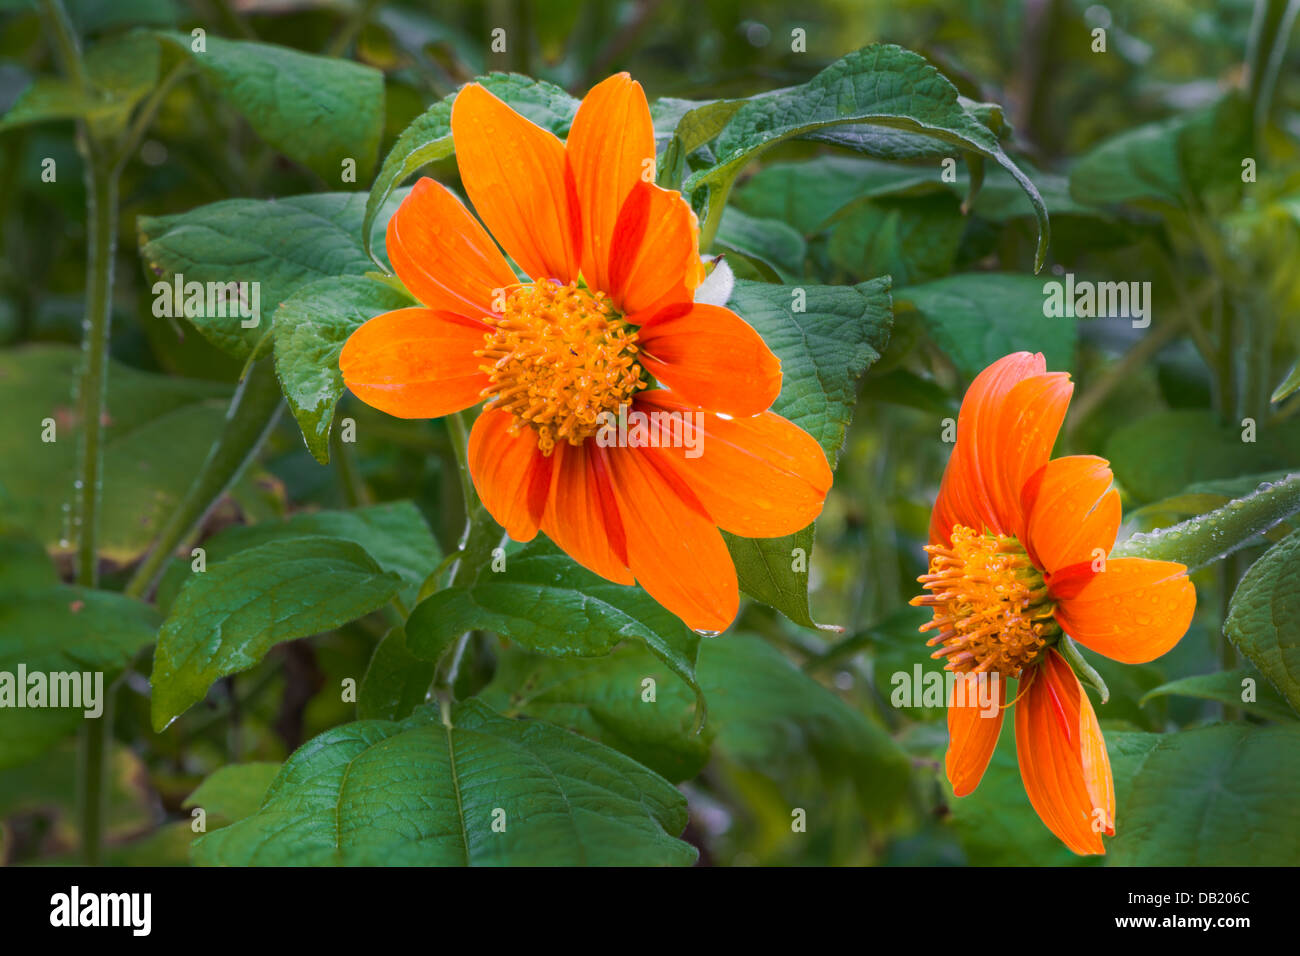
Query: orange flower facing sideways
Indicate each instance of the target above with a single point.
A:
(605, 320)
(1018, 557)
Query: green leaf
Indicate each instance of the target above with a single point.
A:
(1262, 618)
(824, 347)
(227, 618)
(310, 328)
(1288, 385)
(281, 244)
(394, 533)
(157, 433)
(977, 318)
(1231, 786)
(605, 698)
(48, 628)
(396, 681)
(317, 110)
(424, 793)
(1171, 161)
(770, 241)
(1216, 534)
(878, 86)
(428, 137)
(771, 718)
(234, 791)
(548, 604)
(808, 194)
(1158, 456)
(121, 70)
(910, 240)
(1229, 687)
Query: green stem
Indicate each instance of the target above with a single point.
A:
(253, 413)
(92, 781)
(717, 206)
(101, 203)
(459, 433)
(344, 457)
(65, 41)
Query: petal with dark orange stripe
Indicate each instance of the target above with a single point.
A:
(758, 477)
(516, 175)
(1062, 757)
(581, 515)
(655, 252)
(611, 148)
(510, 473)
(442, 254)
(673, 548)
(712, 358)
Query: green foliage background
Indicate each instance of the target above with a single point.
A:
(230, 168)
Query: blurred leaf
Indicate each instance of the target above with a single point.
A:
(1262, 618)
(1171, 161)
(50, 629)
(768, 240)
(234, 791)
(770, 717)
(394, 533)
(1232, 786)
(826, 337)
(910, 240)
(1228, 687)
(310, 328)
(282, 244)
(423, 793)
(880, 85)
(396, 681)
(604, 698)
(978, 317)
(227, 618)
(428, 137)
(1157, 456)
(317, 110)
(157, 433)
(546, 603)
(121, 70)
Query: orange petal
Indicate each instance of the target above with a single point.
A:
(1063, 759)
(581, 516)
(1133, 611)
(610, 148)
(712, 358)
(759, 477)
(415, 363)
(655, 252)
(1005, 432)
(1071, 509)
(1014, 439)
(972, 729)
(516, 175)
(673, 547)
(510, 473)
(442, 254)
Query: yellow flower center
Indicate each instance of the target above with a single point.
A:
(559, 356)
(991, 607)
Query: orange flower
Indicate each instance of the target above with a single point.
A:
(606, 320)
(1018, 548)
